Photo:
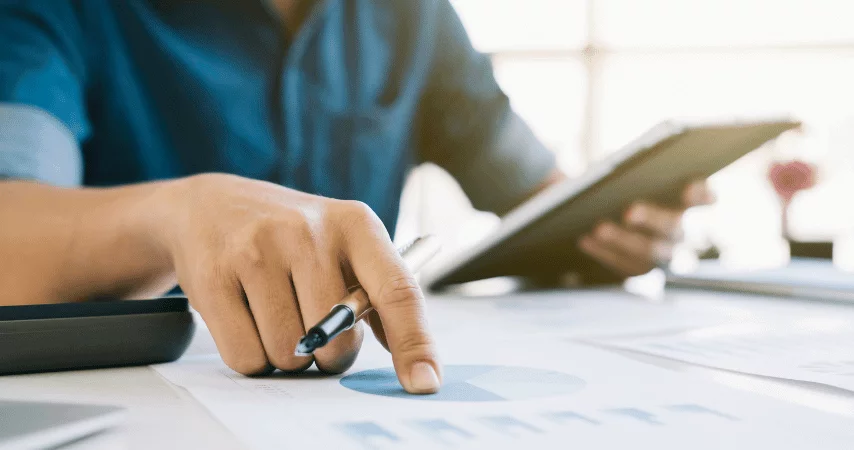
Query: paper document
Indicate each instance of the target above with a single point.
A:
(802, 277)
(573, 313)
(512, 392)
(808, 349)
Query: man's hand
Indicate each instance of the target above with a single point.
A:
(261, 263)
(646, 236)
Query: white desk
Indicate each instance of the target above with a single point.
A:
(160, 416)
(164, 416)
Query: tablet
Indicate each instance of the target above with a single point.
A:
(38, 338)
(539, 238)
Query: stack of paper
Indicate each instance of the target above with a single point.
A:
(511, 391)
(809, 349)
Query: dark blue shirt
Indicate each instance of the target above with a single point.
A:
(105, 92)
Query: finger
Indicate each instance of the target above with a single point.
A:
(612, 259)
(398, 300)
(655, 219)
(376, 324)
(634, 245)
(273, 303)
(319, 286)
(230, 322)
(697, 193)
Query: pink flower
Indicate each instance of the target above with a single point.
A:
(791, 177)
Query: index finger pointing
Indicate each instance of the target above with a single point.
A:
(397, 298)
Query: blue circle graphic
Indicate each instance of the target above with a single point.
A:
(472, 383)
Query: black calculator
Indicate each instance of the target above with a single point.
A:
(69, 336)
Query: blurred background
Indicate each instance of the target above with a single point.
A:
(591, 75)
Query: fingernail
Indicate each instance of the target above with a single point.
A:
(423, 378)
(637, 215)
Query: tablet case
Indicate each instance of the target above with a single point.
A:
(69, 336)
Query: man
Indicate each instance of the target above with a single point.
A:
(149, 103)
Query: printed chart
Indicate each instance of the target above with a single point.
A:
(472, 383)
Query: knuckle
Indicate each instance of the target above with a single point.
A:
(263, 231)
(246, 245)
(400, 291)
(251, 246)
(415, 346)
(304, 231)
(206, 282)
(606, 232)
(247, 364)
(358, 208)
(248, 256)
(329, 214)
(341, 354)
(357, 213)
(246, 261)
(337, 365)
(287, 361)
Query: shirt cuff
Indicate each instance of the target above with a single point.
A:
(510, 171)
(34, 145)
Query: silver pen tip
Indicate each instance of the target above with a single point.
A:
(303, 349)
(308, 344)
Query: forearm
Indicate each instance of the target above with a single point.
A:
(59, 245)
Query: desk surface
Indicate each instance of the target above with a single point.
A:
(165, 416)
(161, 415)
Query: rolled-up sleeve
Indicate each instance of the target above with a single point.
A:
(467, 126)
(42, 92)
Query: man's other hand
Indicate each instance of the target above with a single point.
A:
(646, 236)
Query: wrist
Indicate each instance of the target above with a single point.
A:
(152, 218)
(140, 216)
(107, 239)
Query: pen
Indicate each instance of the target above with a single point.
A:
(354, 306)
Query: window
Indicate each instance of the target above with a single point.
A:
(590, 75)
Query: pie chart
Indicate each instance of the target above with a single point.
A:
(472, 383)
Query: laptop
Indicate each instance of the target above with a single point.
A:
(29, 425)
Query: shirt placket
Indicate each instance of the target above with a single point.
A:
(290, 98)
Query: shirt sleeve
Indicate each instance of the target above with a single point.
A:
(42, 99)
(466, 124)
